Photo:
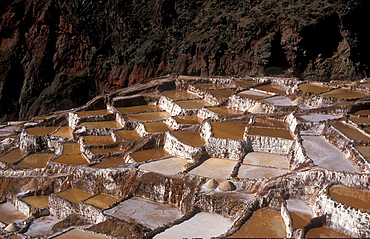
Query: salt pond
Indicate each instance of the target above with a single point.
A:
(189, 137)
(9, 214)
(145, 155)
(35, 161)
(78, 234)
(139, 108)
(192, 104)
(179, 94)
(254, 172)
(40, 201)
(146, 212)
(102, 200)
(149, 116)
(202, 225)
(74, 195)
(224, 111)
(12, 156)
(229, 129)
(266, 159)
(41, 227)
(325, 154)
(166, 166)
(216, 168)
(356, 198)
(187, 119)
(300, 212)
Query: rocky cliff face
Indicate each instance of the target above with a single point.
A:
(57, 54)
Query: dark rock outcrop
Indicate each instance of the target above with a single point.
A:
(57, 54)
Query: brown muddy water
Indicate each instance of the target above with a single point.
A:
(13, 156)
(350, 131)
(192, 104)
(179, 95)
(102, 200)
(360, 120)
(74, 195)
(270, 132)
(113, 124)
(356, 198)
(41, 130)
(229, 129)
(90, 113)
(223, 93)
(263, 223)
(344, 94)
(41, 201)
(150, 116)
(72, 159)
(362, 112)
(269, 122)
(157, 127)
(110, 162)
(139, 108)
(272, 88)
(313, 88)
(65, 131)
(35, 161)
(188, 137)
(128, 135)
(145, 155)
(188, 119)
(105, 150)
(325, 232)
(78, 234)
(71, 148)
(224, 111)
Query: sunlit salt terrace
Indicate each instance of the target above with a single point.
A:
(185, 156)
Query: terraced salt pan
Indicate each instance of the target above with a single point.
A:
(246, 83)
(270, 132)
(224, 111)
(9, 214)
(325, 232)
(71, 148)
(90, 113)
(263, 223)
(139, 108)
(216, 168)
(41, 227)
(202, 225)
(350, 131)
(229, 129)
(146, 212)
(364, 150)
(41, 130)
(128, 134)
(65, 131)
(356, 198)
(278, 101)
(269, 122)
(166, 166)
(76, 233)
(98, 140)
(110, 162)
(156, 127)
(313, 88)
(179, 95)
(192, 104)
(360, 120)
(300, 212)
(211, 86)
(113, 124)
(189, 137)
(102, 200)
(317, 117)
(41, 201)
(35, 161)
(74, 195)
(362, 112)
(145, 155)
(188, 119)
(72, 159)
(13, 156)
(255, 172)
(254, 95)
(266, 159)
(325, 154)
(273, 88)
(223, 93)
(149, 116)
(344, 94)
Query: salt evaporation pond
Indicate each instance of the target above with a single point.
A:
(326, 155)
(356, 198)
(325, 232)
(74, 195)
(300, 212)
(41, 227)
(78, 234)
(35, 161)
(71, 148)
(145, 155)
(65, 132)
(266, 159)
(90, 113)
(270, 132)
(344, 94)
(12, 156)
(188, 119)
(192, 104)
(179, 95)
(229, 129)
(350, 131)
(105, 150)
(166, 166)
(102, 200)
(128, 134)
(254, 95)
(146, 212)
(112, 124)
(223, 93)
(110, 162)
(189, 137)
(273, 88)
(263, 223)
(41, 130)
(317, 117)
(41, 201)
(72, 159)
(149, 116)
(9, 214)
(314, 88)
(224, 111)
(216, 168)
(156, 127)
(98, 140)
(139, 108)
(255, 172)
(278, 100)
(202, 225)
